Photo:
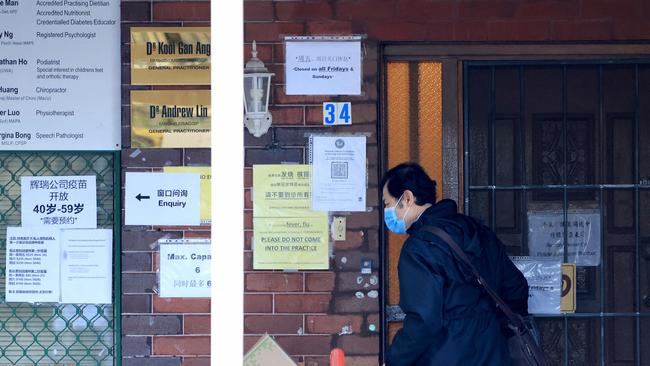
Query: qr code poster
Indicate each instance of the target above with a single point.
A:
(338, 173)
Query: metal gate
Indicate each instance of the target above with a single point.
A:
(60, 334)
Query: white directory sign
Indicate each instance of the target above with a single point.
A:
(338, 173)
(337, 113)
(546, 236)
(185, 268)
(60, 71)
(86, 263)
(60, 201)
(324, 67)
(32, 265)
(162, 199)
(544, 277)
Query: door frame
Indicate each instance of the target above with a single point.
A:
(454, 57)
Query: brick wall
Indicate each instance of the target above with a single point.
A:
(156, 331)
(306, 310)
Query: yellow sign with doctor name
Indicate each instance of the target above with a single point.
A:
(170, 56)
(170, 118)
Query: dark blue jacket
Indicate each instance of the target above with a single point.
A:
(450, 320)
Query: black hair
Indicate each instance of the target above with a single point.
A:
(410, 176)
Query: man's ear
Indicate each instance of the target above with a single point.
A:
(409, 198)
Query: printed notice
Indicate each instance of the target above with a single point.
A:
(338, 173)
(162, 199)
(32, 265)
(205, 174)
(60, 69)
(291, 243)
(544, 278)
(86, 263)
(323, 67)
(546, 236)
(170, 56)
(282, 190)
(61, 201)
(185, 268)
(169, 119)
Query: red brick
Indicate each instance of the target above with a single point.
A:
(320, 282)
(373, 240)
(627, 30)
(582, 30)
(373, 319)
(248, 238)
(264, 52)
(607, 9)
(258, 10)
(418, 10)
(317, 361)
(547, 9)
(305, 345)
(473, 30)
(351, 260)
(248, 199)
(303, 10)
(357, 345)
(274, 282)
(180, 305)
(365, 9)
(197, 235)
(361, 361)
(196, 324)
(248, 219)
(248, 177)
(135, 11)
(353, 240)
(270, 32)
(363, 220)
(155, 261)
(348, 303)
(191, 10)
(196, 361)
(329, 27)
(333, 324)
(181, 345)
(281, 98)
(257, 303)
(487, 9)
(535, 30)
(407, 31)
(305, 303)
(272, 324)
(248, 261)
(287, 115)
(278, 70)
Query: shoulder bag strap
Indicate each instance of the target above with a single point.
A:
(514, 318)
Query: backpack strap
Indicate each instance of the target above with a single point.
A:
(515, 319)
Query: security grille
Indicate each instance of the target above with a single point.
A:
(48, 334)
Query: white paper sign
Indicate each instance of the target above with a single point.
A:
(32, 265)
(546, 236)
(323, 67)
(65, 201)
(162, 199)
(338, 173)
(185, 268)
(337, 113)
(544, 278)
(60, 70)
(86, 263)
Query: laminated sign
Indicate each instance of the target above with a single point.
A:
(64, 201)
(185, 268)
(544, 278)
(546, 236)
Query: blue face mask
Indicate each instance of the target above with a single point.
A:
(394, 223)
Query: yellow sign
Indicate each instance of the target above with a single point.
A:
(206, 179)
(267, 353)
(288, 234)
(291, 243)
(170, 118)
(170, 56)
(282, 191)
(568, 299)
